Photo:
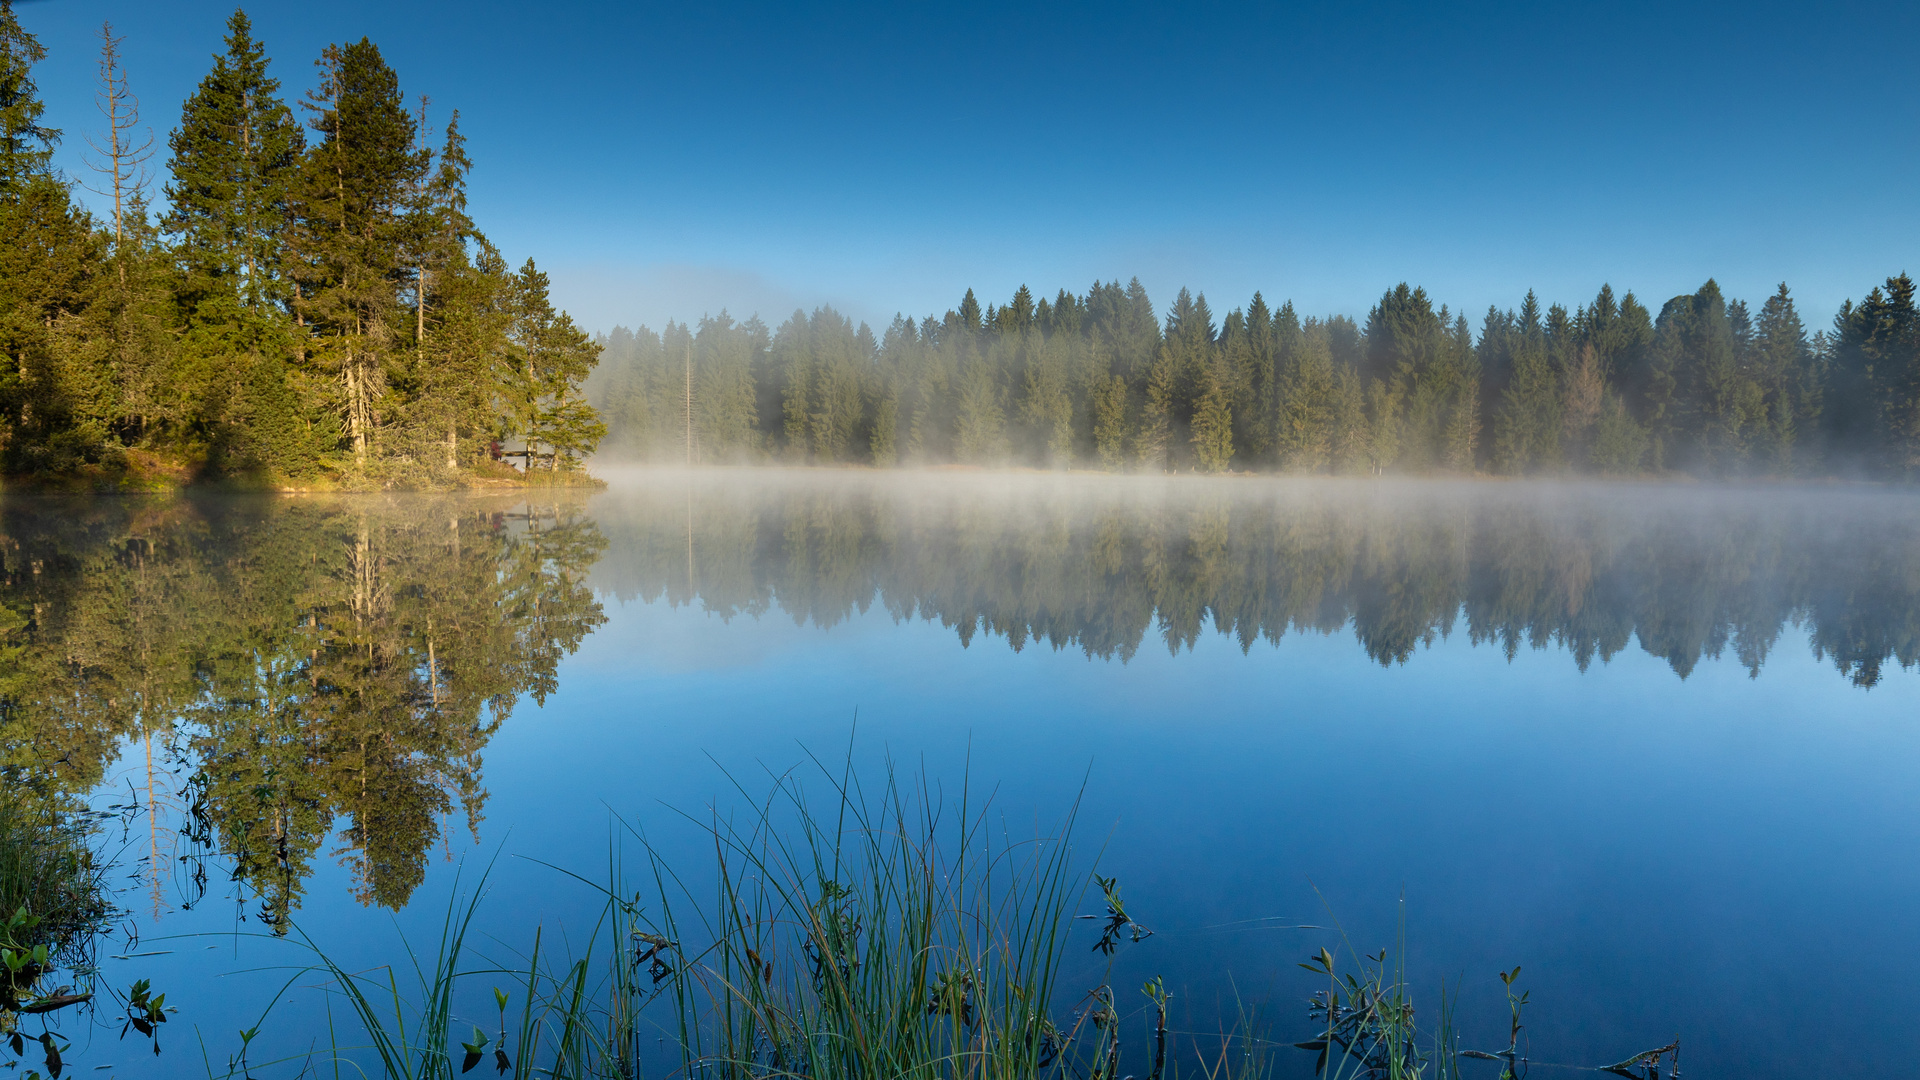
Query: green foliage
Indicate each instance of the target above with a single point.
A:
(26, 146)
(1094, 379)
(50, 886)
(323, 313)
(234, 160)
(549, 360)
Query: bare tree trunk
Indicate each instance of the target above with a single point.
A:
(122, 110)
(125, 177)
(356, 405)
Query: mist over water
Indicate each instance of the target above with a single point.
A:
(1652, 742)
(1104, 565)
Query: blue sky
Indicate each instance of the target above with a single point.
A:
(671, 160)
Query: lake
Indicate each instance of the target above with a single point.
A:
(1656, 744)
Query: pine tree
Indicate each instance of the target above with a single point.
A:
(234, 161)
(1460, 437)
(1784, 367)
(1526, 433)
(352, 204)
(1874, 395)
(1307, 398)
(1583, 393)
(1110, 420)
(53, 394)
(1212, 436)
(551, 358)
(1704, 400)
(26, 145)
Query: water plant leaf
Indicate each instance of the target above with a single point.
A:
(473, 1049)
(1321, 964)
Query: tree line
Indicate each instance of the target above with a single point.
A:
(305, 300)
(1706, 386)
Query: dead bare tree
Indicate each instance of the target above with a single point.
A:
(121, 161)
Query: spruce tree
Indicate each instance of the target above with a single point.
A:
(54, 396)
(1212, 428)
(1527, 421)
(352, 203)
(26, 145)
(1784, 366)
(233, 165)
(1873, 410)
(551, 358)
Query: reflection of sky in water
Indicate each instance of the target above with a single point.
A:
(1725, 856)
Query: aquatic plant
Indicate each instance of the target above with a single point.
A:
(53, 907)
(898, 933)
(51, 889)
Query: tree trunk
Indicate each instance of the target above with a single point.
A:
(356, 411)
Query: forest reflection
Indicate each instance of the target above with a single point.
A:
(1102, 565)
(279, 682)
(295, 679)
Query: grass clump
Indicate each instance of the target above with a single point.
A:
(864, 936)
(52, 902)
(897, 936)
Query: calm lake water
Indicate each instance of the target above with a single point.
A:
(1657, 744)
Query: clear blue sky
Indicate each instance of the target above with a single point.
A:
(673, 159)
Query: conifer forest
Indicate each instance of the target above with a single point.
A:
(304, 298)
(1706, 386)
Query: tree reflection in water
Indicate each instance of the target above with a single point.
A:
(292, 679)
(319, 673)
(1690, 572)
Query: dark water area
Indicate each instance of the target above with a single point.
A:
(1654, 743)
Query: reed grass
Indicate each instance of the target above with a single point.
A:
(897, 935)
(47, 868)
(875, 935)
(52, 901)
